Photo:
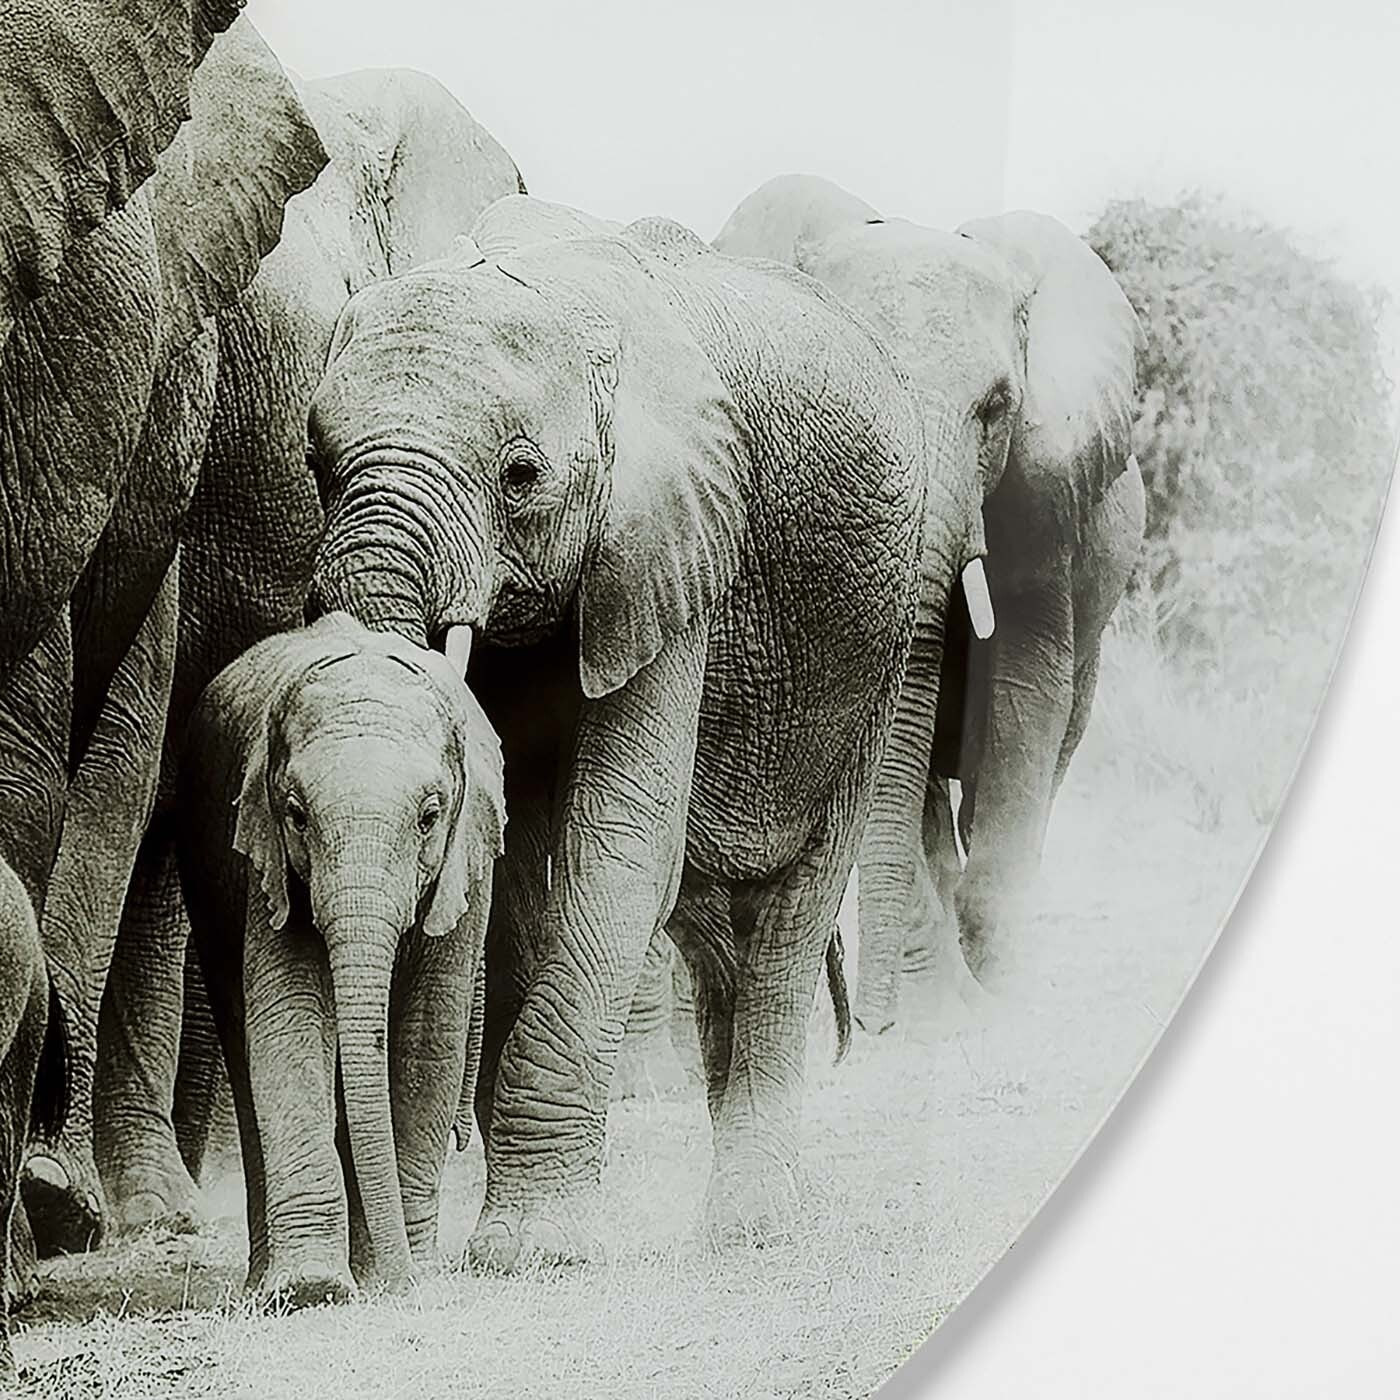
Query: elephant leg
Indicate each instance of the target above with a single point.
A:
(647, 1064)
(221, 968)
(139, 1035)
(702, 929)
(428, 1024)
(520, 888)
(201, 1085)
(289, 1035)
(109, 803)
(615, 871)
(24, 1009)
(782, 925)
(26, 998)
(933, 951)
(1030, 698)
(685, 1029)
(1086, 682)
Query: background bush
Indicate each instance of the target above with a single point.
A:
(1265, 431)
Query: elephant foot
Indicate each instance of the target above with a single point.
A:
(758, 1205)
(161, 1196)
(648, 1067)
(306, 1284)
(62, 1195)
(23, 1285)
(510, 1239)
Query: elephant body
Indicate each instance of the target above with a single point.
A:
(409, 170)
(679, 499)
(340, 812)
(1014, 332)
(144, 178)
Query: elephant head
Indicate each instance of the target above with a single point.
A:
(1013, 321)
(371, 801)
(503, 441)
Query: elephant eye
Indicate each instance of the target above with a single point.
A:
(994, 406)
(521, 470)
(428, 815)
(296, 814)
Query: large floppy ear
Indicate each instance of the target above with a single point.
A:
(1080, 339)
(432, 167)
(478, 831)
(221, 188)
(674, 447)
(256, 834)
(94, 91)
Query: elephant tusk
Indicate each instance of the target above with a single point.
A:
(979, 600)
(458, 647)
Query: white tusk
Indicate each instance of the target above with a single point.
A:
(458, 647)
(979, 601)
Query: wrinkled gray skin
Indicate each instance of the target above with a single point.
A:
(410, 170)
(340, 812)
(125, 233)
(1015, 333)
(678, 498)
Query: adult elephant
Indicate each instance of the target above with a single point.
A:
(145, 159)
(410, 170)
(1019, 325)
(678, 499)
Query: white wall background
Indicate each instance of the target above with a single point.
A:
(1234, 1231)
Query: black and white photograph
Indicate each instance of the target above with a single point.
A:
(642, 651)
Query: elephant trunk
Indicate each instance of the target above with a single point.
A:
(889, 860)
(889, 844)
(362, 939)
(395, 558)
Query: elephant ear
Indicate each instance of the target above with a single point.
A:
(1080, 338)
(256, 834)
(430, 167)
(222, 187)
(94, 91)
(477, 837)
(673, 522)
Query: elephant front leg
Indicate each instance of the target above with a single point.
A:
(1030, 698)
(616, 867)
(432, 1004)
(109, 802)
(139, 1036)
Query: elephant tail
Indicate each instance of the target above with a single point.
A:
(49, 1107)
(840, 1000)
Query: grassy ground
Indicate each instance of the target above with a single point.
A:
(927, 1150)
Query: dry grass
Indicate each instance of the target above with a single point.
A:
(926, 1153)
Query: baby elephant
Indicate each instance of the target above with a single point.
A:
(341, 800)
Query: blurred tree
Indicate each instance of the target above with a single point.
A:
(1265, 430)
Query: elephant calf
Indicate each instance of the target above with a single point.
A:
(341, 809)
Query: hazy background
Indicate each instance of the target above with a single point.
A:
(936, 109)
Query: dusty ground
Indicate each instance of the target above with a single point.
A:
(927, 1151)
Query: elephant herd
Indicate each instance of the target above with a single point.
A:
(419, 598)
